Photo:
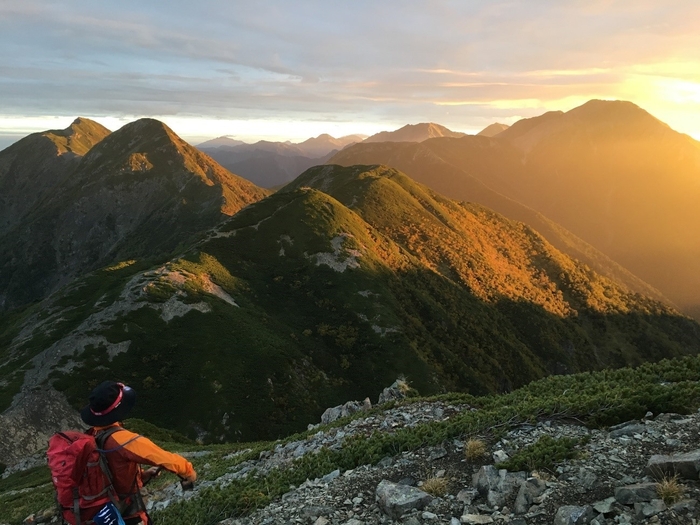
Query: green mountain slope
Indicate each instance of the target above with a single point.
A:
(324, 292)
(141, 191)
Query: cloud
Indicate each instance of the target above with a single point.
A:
(455, 62)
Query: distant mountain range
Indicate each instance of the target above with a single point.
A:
(241, 314)
(609, 172)
(272, 164)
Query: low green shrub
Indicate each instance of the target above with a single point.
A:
(545, 454)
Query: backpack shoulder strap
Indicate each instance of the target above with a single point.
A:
(102, 435)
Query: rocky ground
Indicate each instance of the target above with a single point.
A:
(607, 484)
(612, 480)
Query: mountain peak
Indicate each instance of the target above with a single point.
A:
(493, 129)
(414, 133)
(78, 138)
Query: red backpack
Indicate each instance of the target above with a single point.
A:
(80, 474)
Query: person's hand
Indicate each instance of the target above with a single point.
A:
(148, 474)
(187, 482)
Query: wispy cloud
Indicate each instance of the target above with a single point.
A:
(463, 64)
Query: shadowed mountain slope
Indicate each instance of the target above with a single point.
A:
(607, 171)
(326, 291)
(32, 168)
(141, 191)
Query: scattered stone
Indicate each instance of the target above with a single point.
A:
(628, 430)
(395, 500)
(605, 506)
(636, 493)
(500, 456)
(476, 519)
(645, 509)
(436, 453)
(531, 489)
(573, 515)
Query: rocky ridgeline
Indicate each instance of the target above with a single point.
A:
(613, 479)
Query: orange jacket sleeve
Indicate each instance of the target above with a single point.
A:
(140, 449)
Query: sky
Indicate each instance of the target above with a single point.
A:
(281, 70)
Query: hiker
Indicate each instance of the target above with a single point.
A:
(125, 451)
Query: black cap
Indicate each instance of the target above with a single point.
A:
(109, 402)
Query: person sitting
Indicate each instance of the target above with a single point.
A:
(109, 403)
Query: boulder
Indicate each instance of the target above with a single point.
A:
(636, 493)
(395, 500)
(684, 465)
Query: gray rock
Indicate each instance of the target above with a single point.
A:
(395, 500)
(314, 511)
(330, 476)
(428, 516)
(665, 418)
(685, 505)
(454, 521)
(628, 430)
(500, 456)
(636, 493)
(585, 479)
(354, 521)
(497, 485)
(476, 519)
(385, 462)
(684, 465)
(605, 506)
(466, 496)
(436, 453)
(646, 509)
(573, 515)
(531, 489)
(394, 392)
(340, 411)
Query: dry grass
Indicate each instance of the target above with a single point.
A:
(474, 449)
(435, 486)
(670, 490)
